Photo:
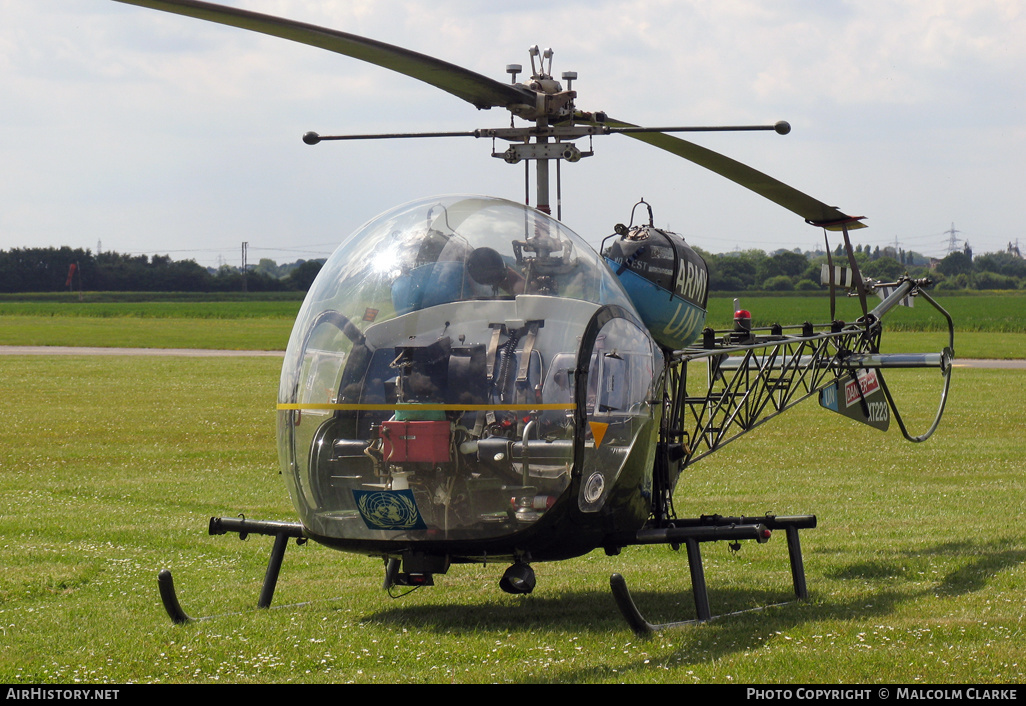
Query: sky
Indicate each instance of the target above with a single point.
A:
(127, 129)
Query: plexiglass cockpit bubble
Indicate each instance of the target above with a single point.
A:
(434, 384)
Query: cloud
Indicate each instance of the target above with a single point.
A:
(159, 133)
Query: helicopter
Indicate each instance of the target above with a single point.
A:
(469, 381)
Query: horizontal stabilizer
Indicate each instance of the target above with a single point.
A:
(859, 397)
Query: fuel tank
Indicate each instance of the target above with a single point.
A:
(666, 280)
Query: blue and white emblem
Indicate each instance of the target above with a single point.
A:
(389, 509)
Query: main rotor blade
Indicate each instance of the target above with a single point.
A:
(479, 90)
(812, 210)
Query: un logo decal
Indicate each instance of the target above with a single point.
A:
(389, 509)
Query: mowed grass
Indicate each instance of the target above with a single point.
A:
(260, 333)
(987, 326)
(111, 467)
(253, 323)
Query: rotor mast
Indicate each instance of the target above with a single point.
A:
(541, 78)
(552, 104)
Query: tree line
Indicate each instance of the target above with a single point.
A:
(787, 270)
(54, 269)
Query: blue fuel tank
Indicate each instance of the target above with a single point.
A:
(667, 281)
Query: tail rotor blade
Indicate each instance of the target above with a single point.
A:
(857, 275)
(830, 278)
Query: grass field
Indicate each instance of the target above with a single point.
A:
(997, 312)
(987, 326)
(111, 470)
(111, 467)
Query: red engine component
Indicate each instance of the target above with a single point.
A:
(416, 441)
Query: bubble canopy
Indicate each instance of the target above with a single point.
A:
(431, 383)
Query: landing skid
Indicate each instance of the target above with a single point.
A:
(281, 531)
(711, 528)
(689, 532)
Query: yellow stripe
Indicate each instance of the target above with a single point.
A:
(569, 407)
